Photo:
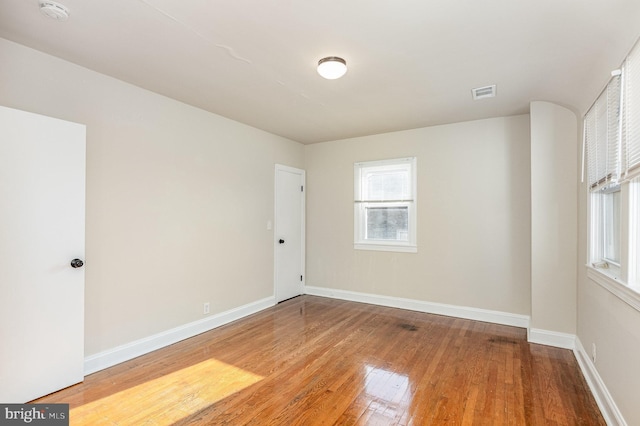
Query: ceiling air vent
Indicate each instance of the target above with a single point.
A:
(484, 92)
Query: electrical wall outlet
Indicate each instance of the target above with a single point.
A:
(206, 309)
(593, 352)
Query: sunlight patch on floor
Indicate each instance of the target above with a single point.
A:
(167, 399)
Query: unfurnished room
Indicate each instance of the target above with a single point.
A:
(304, 213)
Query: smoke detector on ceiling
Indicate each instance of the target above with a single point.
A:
(484, 92)
(54, 10)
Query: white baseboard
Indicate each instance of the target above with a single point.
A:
(607, 405)
(465, 312)
(551, 338)
(143, 346)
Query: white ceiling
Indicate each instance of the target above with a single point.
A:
(412, 63)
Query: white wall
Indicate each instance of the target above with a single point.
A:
(177, 198)
(473, 216)
(553, 218)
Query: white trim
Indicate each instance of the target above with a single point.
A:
(607, 405)
(627, 294)
(386, 247)
(633, 268)
(551, 338)
(496, 317)
(134, 349)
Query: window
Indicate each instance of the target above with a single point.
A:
(611, 222)
(612, 149)
(385, 205)
(634, 233)
(606, 228)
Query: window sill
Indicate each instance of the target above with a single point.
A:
(629, 295)
(386, 247)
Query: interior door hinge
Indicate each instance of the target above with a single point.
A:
(300, 277)
(301, 188)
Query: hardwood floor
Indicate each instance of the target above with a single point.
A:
(312, 361)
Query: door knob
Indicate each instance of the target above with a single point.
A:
(77, 263)
(281, 241)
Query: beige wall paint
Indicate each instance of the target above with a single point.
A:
(554, 174)
(614, 327)
(177, 198)
(473, 216)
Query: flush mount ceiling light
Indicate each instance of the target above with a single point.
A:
(54, 10)
(332, 67)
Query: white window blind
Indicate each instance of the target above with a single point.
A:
(602, 137)
(631, 121)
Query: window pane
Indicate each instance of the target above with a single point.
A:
(611, 230)
(387, 185)
(634, 232)
(387, 223)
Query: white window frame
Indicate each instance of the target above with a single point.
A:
(361, 242)
(621, 280)
(599, 230)
(633, 273)
(612, 148)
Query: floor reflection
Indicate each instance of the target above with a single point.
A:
(389, 392)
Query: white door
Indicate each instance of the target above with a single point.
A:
(42, 194)
(289, 232)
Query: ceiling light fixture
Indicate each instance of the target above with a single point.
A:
(54, 10)
(332, 67)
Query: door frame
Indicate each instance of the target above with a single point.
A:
(282, 168)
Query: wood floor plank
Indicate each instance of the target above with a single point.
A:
(317, 361)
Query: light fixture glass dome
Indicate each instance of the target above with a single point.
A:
(332, 67)
(54, 10)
